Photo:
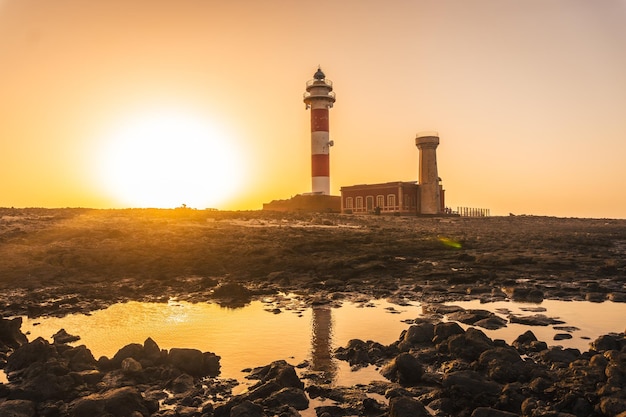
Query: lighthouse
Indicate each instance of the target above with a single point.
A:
(319, 97)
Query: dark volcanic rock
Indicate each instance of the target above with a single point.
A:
(532, 295)
(470, 316)
(293, 397)
(608, 342)
(470, 383)
(527, 342)
(194, 362)
(246, 409)
(80, 358)
(534, 320)
(556, 354)
(117, 402)
(491, 323)
(492, 412)
(39, 350)
(407, 407)
(503, 364)
(10, 334)
(273, 378)
(62, 337)
(404, 369)
(612, 406)
(444, 330)
(419, 333)
(469, 345)
(17, 408)
(151, 351)
(232, 293)
(132, 350)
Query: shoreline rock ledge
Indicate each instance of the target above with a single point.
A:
(58, 380)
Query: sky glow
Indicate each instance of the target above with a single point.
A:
(528, 97)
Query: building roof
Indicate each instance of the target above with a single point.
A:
(381, 185)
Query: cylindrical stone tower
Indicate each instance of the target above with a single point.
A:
(429, 189)
(319, 97)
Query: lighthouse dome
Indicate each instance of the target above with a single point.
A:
(319, 74)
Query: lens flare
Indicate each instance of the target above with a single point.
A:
(451, 243)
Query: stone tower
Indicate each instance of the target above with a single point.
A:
(429, 188)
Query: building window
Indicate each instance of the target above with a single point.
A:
(359, 203)
(348, 202)
(380, 201)
(391, 201)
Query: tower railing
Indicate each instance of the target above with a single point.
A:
(325, 81)
(307, 94)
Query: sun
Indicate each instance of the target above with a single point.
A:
(168, 159)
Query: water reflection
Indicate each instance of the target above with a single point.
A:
(321, 342)
(251, 336)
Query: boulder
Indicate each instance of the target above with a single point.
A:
(194, 362)
(469, 383)
(534, 320)
(131, 366)
(181, 384)
(263, 390)
(502, 364)
(39, 350)
(10, 334)
(293, 397)
(491, 323)
(132, 350)
(612, 406)
(246, 409)
(605, 342)
(527, 342)
(407, 407)
(80, 358)
(359, 353)
(284, 374)
(499, 355)
(532, 295)
(17, 408)
(470, 316)
(556, 354)
(273, 378)
(444, 330)
(42, 381)
(232, 293)
(151, 351)
(491, 412)
(63, 337)
(419, 333)
(404, 369)
(126, 401)
(469, 345)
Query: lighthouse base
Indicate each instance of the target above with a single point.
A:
(316, 203)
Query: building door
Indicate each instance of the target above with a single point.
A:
(369, 202)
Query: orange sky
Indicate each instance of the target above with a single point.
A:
(528, 97)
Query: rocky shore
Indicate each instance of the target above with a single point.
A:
(434, 369)
(56, 262)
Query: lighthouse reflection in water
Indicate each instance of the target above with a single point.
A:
(321, 342)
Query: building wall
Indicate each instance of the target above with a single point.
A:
(393, 197)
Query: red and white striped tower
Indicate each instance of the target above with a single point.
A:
(319, 97)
